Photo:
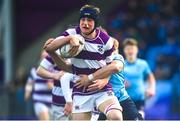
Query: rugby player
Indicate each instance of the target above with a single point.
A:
(136, 72)
(96, 54)
(130, 111)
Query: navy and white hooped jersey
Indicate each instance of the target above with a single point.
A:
(40, 93)
(96, 53)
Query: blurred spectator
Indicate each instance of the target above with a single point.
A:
(155, 24)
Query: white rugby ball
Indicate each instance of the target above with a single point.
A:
(65, 49)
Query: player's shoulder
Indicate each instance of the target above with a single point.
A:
(141, 61)
(118, 56)
(49, 59)
(33, 71)
(72, 31)
(104, 36)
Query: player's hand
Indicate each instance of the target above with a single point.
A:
(73, 50)
(83, 81)
(97, 85)
(68, 108)
(50, 85)
(47, 44)
(150, 92)
(74, 42)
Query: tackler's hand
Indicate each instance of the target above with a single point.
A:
(97, 85)
(83, 81)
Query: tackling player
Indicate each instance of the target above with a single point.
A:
(136, 71)
(130, 111)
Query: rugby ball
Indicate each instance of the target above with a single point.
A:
(65, 49)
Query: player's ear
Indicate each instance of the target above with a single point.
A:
(137, 49)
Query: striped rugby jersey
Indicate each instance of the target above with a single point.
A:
(96, 53)
(40, 93)
(57, 95)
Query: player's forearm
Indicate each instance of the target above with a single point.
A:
(42, 72)
(103, 73)
(28, 91)
(27, 95)
(57, 43)
(152, 81)
(108, 70)
(60, 62)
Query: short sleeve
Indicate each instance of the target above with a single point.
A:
(47, 62)
(147, 69)
(119, 58)
(65, 33)
(30, 78)
(109, 50)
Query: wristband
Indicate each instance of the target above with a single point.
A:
(90, 77)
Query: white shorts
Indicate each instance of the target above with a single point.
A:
(86, 103)
(58, 114)
(41, 107)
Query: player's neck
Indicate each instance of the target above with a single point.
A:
(131, 60)
(90, 36)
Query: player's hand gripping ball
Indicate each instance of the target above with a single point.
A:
(65, 51)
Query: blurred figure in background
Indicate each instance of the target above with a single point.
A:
(136, 71)
(49, 70)
(40, 89)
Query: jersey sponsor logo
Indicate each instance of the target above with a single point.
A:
(100, 49)
(110, 93)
